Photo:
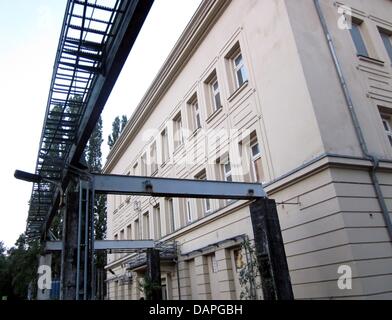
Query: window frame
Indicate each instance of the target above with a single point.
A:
(357, 37)
(154, 158)
(386, 37)
(178, 134)
(254, 157)
(188, 209)
(387, 126)
(215, 93)
(196, 116)
(165, 152)
(143, 164)
(227, 174)
(170, 215)
(202, 175)
(239, 68)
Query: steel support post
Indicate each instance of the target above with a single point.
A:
(154, 275)
(69, 252)
(271, 256)
(85, 253)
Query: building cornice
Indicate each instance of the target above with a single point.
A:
(202, 21)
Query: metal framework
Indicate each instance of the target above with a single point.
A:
(95, 40)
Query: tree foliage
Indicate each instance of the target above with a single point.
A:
(18, 268)
(118, 126)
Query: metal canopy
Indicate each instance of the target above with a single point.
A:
(95, 40)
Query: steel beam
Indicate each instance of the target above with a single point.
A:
(123, 244)
(179, 188)
(107, 245)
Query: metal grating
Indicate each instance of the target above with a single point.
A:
(86, 39)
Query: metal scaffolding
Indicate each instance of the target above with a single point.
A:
(95, 40)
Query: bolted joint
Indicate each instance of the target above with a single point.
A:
(148, 186)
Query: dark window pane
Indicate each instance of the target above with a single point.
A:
(390, 139)
(386, 38)
(358, 40)
(218, 101)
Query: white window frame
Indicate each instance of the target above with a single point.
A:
(178, 131)
(227, 174)
(143, 165)
(215, 93)
(157, 222)
(188, 209)
(146, 226)
(206, 202)
(254, 158)
(240, 68)
(196, 114)
(154, 157)
(165, 145)
(171, 214)
(386, 120)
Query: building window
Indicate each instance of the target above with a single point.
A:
(387, 39)
(241, 73)
(153, 158)
(178, 134)
(256, 165)
(137, 229)
(146, 226)
(206, 202)
(129, 232)
(165, 145)
(359, 43)
(157, 222)
(134, 169)
(188, 209)
(215, 94)
(195, 113)
(226, 166)
(143, 164)
(170, 215)
(387, 124)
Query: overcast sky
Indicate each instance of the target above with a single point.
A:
(29, 33)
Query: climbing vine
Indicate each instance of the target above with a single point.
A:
(249, 275)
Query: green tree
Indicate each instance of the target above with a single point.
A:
(118, 126)
(23, 266)
(5, 280)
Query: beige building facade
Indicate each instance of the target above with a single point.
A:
(251, 92)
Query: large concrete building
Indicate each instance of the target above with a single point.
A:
(254, 91)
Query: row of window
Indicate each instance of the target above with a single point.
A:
(149, 159)
(186, 211)
(359, 42)
(236, 264)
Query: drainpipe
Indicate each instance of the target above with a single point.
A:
(350, 105)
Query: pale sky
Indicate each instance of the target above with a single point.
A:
(29, 33)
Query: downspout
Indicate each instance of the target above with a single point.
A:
(375, 161)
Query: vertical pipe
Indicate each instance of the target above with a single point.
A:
(79, 243)
(86, 244)
(92, 250)
(63, 254)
